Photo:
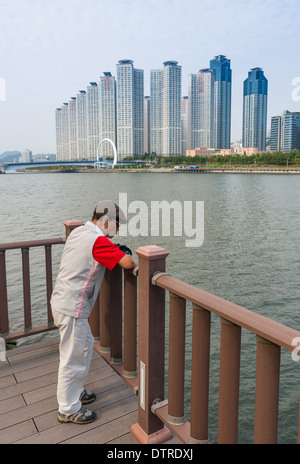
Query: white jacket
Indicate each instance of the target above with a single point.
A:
(80, 276)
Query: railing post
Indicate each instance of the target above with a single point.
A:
(105, 292)
(200, 375)
(26, 289)
(151, 346)
(70, 225)
(116, 316)
(130, 324)
(176, 360)
(298, 440)
(49, 283)
(229, 382)
(4, 323)
(267, 392)
(94, 319)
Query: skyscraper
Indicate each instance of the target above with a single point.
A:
(26, 156)
(72, 128)
(65, 132)
(92, 108)
(171, 108)
(165, 88)
(107, 113)
(255, 98)
(130, 109)
(285, 132)
(290, 131)
(220, 66)
(147, 124)
(59, 139)
(201, 109)
(184, 124)
(275, 142)
(156, 111)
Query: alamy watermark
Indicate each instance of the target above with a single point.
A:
(2, 89)
(296, 90)
(163, 219)
(296, 350)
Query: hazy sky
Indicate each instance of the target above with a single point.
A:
(50, 49)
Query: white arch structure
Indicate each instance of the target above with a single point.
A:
(97, 163)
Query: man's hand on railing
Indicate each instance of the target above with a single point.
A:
(135, 269)
(127, 262)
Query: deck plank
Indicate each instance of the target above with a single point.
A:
(60, 433)
(17, 432)
(28, 405)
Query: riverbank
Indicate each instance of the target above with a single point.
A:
(237, 170)
(241, 170)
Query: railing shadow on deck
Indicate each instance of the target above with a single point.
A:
(128, 325)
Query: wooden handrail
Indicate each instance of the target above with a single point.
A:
(148, 375)
(4, 310)
(31, 243)
(271, 337)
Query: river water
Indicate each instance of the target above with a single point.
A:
(250, 255)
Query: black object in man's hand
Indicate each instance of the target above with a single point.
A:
(124, 248)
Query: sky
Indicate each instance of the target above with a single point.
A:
(51, 49)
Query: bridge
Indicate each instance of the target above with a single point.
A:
(100, 164)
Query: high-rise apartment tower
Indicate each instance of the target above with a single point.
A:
(220, 66)
(147, 124)
(58, 131)
(275, 142)
(184, 124)
(255, 98)
(82, 152)
(107, 113)
(165, 112)
(72, 128)
(65, 132)
(285, 132)
(130, 109)
(201, 109)
(93, 125)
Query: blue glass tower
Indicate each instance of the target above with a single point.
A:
(285, 132)
(290, 131)
(255, 98)
(220, 66)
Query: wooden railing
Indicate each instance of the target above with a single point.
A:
(270, 337)
(137, 351)
(113, 323)
(155, 412)
(24, 247)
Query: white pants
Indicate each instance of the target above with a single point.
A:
(76, 349)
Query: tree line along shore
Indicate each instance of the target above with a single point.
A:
(271, 160)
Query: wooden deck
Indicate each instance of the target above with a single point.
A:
(28, 405)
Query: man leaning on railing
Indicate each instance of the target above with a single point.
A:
(87, 253)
